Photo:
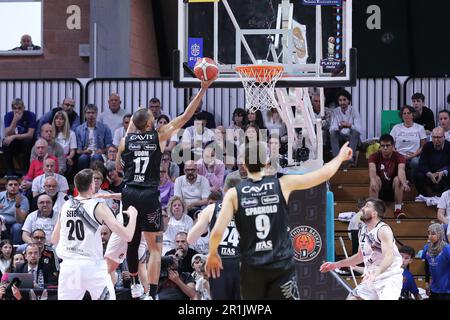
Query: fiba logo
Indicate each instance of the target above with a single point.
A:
(307, 243)
(195, 49)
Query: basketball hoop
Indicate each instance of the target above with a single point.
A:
(259, 84)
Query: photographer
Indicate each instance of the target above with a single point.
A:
(9, 290)
(174, 284)
(182, 252)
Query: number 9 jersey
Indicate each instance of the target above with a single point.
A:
(80, 231)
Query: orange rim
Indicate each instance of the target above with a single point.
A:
(262, 73)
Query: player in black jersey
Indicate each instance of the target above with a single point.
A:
(139, 156)
(225, 287)
(259, 207)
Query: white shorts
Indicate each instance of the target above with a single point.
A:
(384, 289)
(78, 276)
(116, 249)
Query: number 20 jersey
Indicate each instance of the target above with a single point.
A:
(142, 159)
(262, 222)
(80, 231)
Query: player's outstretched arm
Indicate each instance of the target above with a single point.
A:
(104, 214)
(351, 261)
(293, 182)
(166, 131)
(201, 226)
(229, 207)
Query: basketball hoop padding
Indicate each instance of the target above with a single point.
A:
(259, 84)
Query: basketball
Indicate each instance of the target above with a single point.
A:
(205, 69)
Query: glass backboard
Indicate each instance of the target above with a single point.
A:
(312, 39)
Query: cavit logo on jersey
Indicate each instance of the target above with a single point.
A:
(307, 243)
(257, 189)
(249, 202)
(144, 137)
(270, 199)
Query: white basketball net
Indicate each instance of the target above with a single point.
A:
(259, 84)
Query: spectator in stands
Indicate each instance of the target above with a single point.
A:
(253, 135)
(443, 212)
(113, 116)
(105, 234)
(46, 251)
(65, 137)
(201, 279)
(434, 165)
(423, 115)
(178, 219)
(240, 174)
(236, 130)
(193, 188)
(44, 218)
(14, 208)
(166, 186)
(437, 255)
(54, 148)
(6, 256)
(18, 258)
(182, 252)
(211, 168)
(20, 125)
(93, 138)
(120, 132)
(444, 123)
(51, 189)
(345, 126)
(326, 119)
(26, 43)
(116, 183)
(275, 124)
(197, 136)
(162, 120)
(387, 175)
(154, 105)
(210, 121)
(68, 106)
(32, 256)
(409, 289)
(409, 139)
(111, 154)
(173, 283)
(255, 118)
(49, 171)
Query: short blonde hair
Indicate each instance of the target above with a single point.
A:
(171, 201)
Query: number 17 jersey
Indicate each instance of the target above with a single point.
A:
(142, 159)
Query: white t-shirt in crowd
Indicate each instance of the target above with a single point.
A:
(67, 144)
(408, 139)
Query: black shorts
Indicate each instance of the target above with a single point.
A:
(259, 283)
(147, 203)
(227, 286)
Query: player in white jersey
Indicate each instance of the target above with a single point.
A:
(79, 244)
(382, 278)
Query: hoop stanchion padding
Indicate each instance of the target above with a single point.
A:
(259, 85)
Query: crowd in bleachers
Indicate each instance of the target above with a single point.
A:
(197, 166)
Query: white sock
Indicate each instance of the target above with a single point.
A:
(397, 206)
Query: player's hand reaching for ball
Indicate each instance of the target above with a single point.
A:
(345, 153)
(206, 84)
